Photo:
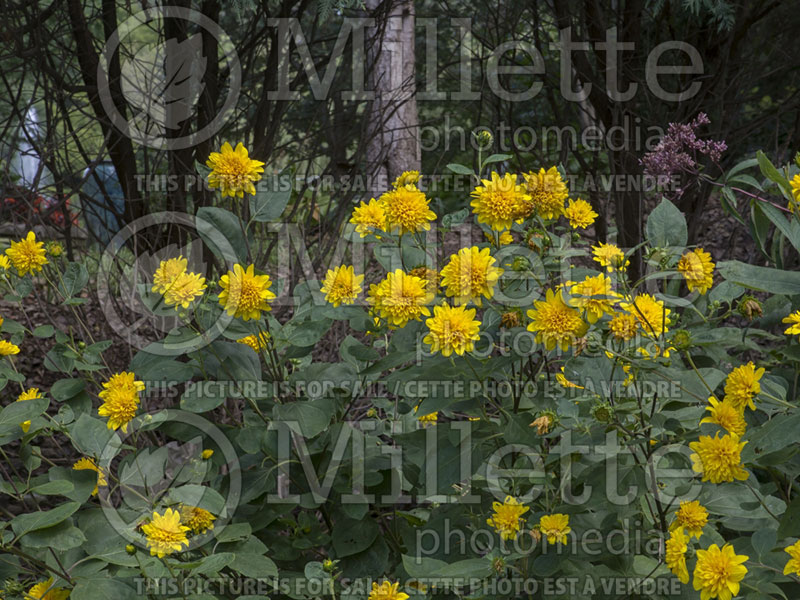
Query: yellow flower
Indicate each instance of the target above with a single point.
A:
(555, 528)
(7, 348)
(27, 255)
(429, 419)
(742, 385)
(430, 277)
(369, 218)
(691, 516)
(185, 288)
(795, 185)
(504, 239)
(207, 453)
(542, 424)
(197, 519)
(650, 314)
(84, 464)
(233, 171)
(500, 201)
(507, 517)
(555, 323)
(579, 213)
(718, 459)
(257, 343)
(342, 285)
(675, 555)
(697, 268)
(29, 394)
(793, 564)
(718, 572)
(46, 591)
(564, 382)
(623, 326)
(400, 298)
(244, 294)
(609, 256)
(406, 178)
(548, 192)
(407, 210)
(452, 329)
(387, 591)
(470, 274)
(167, 272)
(793, 320)
(594, 296)
(120, 396)
(165, 534)
(726, 415)
(5, 264)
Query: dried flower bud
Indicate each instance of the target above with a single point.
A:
(510, 319)
(750, 308)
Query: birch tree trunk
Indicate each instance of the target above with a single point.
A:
(393, 144)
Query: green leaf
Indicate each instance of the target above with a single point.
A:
(495, 158)
(64, 389)
(354, 352)
(271, 198)
(233, 532)
(58, 487)
(788, 227)
(305, 417)
(460, 169)
(202, 398)
(253, 565)
(422, 566)
(91, 435)
(198, 495)
(764, 540)
(770, 172)
(471, 567)
(762, 279)
(666, 226)
(44, 331)
(222, 232)
(74, 279)
(350, 537)
(102, 586)
(26, 522)
(202, 169)
(211, 565)
(61, 537)
(455, 218)
(790, 520)
(18, 412)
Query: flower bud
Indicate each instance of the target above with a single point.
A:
(603, 412)
(520, 264)
(510, 319)
(484, 138)
(54, 249)
(750, 308)
(329, 565)
(682, 339)
(499, 565)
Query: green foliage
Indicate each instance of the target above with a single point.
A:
(342, 450)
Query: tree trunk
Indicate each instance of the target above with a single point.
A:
(393, 129)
